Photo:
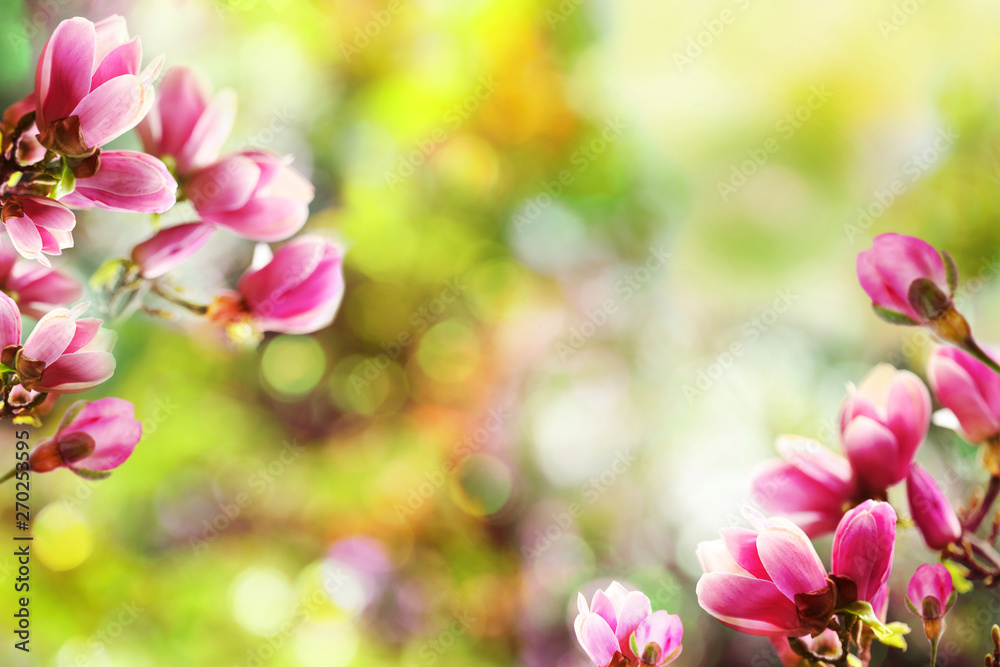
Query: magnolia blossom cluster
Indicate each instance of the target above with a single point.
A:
(92, 86)
(768, 579)
(620, 628)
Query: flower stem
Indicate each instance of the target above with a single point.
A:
(10, 475)
(178, 300)
(972, 347)
(973, 522)
(934, 647)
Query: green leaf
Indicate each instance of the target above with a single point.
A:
(854, 661)
(893, 317)
(952, 271)
(864, 611)
(958, 578)
(896, 640)
(66, 183)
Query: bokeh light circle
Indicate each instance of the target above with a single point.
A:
(292, 365)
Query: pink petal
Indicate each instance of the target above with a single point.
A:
(62, 78)
(50, 337)
(77, 372)
(931, 510)
(661, 628)
(53, 241)
(124, 59)
(112, 109)
(10, 322)
(972, 395)
(48, 213)
(892, 264)
(130, 181)
(111, 33)
(224, 186)
(209, 133)
(8, 258)
(41, 289)
(597, 639)
(908, 416)
(791, 561)
(86, 329)
(713, 556)
(24, 236)
(635, 608)
(872, 451)
(780, 487)
(182, 101)
(265, 219)
(753, 606)
(930, 580)
(169, 247)
(742, 544)
(111, 423)
(863, 546)
(831, 472)
(289, 184)
(602, 605)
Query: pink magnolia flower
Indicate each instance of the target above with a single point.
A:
(812, 486)
(92, 438)
(36, 289)
(25, 402)
(906, 278)
(10, 323)
(606, 625)
(254, 193)
(882, 423)
(38, 226)
(170, 246)
(863, 550)
(753, 578)
(66, 355)
(126, 181)
(28, 149)
(931, 510)
(968, 388)
(88, 87)
(657, 639)
(186, 123)
(299, 291)
(826, 644)
(931, 593)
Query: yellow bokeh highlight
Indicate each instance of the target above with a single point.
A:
(63, 540)
(449, 351)
(292, 365)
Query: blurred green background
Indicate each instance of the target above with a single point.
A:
(600, 255)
